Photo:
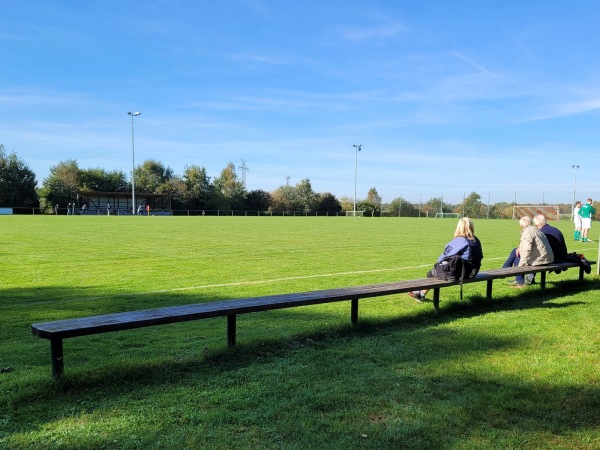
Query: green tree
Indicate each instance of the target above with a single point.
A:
(258, 200)
(199, 190)
(98, 179)
(433, 206)
(151, 175)
(374, 197)
(328, 203)
(502, 210)
(472, 207)
(231, 187)
(17, 181)
(176, 187)
(374, 202)
(306, 198)
(283, 199)
(347, 203)
(402, 208)
(61, 185)
(368, 208)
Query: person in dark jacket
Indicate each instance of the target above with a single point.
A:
(555, 237)
(556, 240)
(466, 245)
(533, 250)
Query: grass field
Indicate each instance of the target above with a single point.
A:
(521, 371)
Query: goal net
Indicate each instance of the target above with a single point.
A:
(549, 211)
(447, 215)
(354, 213)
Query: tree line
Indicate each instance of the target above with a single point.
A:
(195, 190)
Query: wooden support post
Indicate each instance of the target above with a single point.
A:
(543, 279)
(231, 330)
(436, 298)
(354, 311)
(56, 355)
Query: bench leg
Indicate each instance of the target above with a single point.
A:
(580, 274)
(231, 330)
(488, 290)
(436, 298)
(56, 356)
(543, 280)
(354, 311)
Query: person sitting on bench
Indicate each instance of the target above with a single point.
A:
(466, 245)
(533, 250)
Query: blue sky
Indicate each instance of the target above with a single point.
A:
(445, 97)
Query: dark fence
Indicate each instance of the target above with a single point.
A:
(234, 212)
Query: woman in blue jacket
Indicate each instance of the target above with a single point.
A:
(466, 245)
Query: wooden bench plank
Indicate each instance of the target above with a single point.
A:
(141, 318)
(58, 330)
(172, 314)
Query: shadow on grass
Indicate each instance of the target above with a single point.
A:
(531, 297)
(450, 310)
(538, 407)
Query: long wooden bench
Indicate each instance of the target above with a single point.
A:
(59, 330)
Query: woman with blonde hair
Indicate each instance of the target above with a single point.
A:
(466, 245)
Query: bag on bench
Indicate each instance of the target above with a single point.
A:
(451, 268)
(580, 259)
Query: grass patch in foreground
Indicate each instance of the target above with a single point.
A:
(520, 371)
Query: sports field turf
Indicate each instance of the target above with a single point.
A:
(520, 371)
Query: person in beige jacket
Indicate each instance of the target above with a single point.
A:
(534, 250)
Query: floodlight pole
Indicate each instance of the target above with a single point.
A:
(133, 114)
(357, 147)
(575, 167)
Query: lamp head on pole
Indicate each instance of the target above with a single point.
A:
(134, 113)
(358, 147)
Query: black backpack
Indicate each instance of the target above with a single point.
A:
(451, 268)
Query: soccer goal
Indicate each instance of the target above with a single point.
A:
(354, 213)
(447, 215)
(549, 211)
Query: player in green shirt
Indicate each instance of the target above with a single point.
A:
(586, 212)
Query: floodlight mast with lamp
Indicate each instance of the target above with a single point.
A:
(133, 114)
(357, 147)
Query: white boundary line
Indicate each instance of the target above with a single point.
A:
(256, 282)
(251, 283)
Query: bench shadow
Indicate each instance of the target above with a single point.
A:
(450, 311)
(440, 394)
(529, 298)
(107, 382)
